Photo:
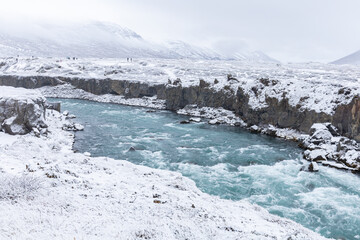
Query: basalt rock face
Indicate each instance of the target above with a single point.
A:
(29, 82)
(347, 119)
(178, 97)
(20, 116)
(129, 89)
(277, 112)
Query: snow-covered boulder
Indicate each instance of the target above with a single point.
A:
(254, 128)
(320, 133)
(71, 126)
(315, 155)
(214, 121)
(21, 110)
(313, 167)
(324, 145)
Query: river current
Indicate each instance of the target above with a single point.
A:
(225, 161)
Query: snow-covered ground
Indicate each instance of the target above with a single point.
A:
(48, 191)
(316, 86)
(69, 91)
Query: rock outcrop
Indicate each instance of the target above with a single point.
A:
(21, 111)
(326, 146)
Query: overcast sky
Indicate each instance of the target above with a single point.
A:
(288, 30)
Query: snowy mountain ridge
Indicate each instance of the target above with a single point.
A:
(106, 40)
(353, 58)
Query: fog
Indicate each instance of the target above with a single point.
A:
(306, 30)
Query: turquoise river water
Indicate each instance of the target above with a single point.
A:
(225, 161)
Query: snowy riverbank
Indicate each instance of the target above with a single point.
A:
(47, 190)
(323, 144)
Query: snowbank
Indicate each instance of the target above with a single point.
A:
(71, 195)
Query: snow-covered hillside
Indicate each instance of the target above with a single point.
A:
(103, 40)
(353, 58)
(95, 39)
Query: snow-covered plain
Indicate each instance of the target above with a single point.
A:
(313, 86)
(48, 191)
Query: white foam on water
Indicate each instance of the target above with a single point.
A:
(186, 136)
(331, 199)
(186, 149)
(220, 168)
(342, 178)
(155, 136)
(177, 126)
(197, 140)
(254, 147)
(147, 138)
(156, 157)
(114, 126)
(112, 112)
(215, 155)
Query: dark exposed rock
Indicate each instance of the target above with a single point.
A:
(177, 82)
(265, 81)
(230, 77)
(333, 130)
(347, 119)
(185, 122)
(345, 91)
(203, 83)
(313, 167)
(113, 72)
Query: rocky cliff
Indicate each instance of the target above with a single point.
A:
(21, 111)
(279, 113)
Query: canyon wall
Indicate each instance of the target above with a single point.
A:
(277, 112)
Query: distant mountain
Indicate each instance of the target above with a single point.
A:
(189, 51)
(249, 56)
(95, 39)
(100, 39)
(353, 58)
